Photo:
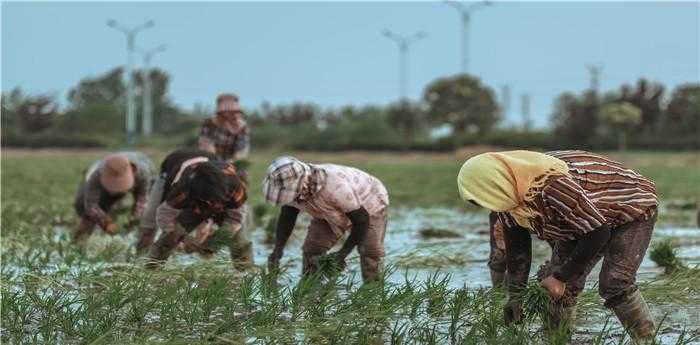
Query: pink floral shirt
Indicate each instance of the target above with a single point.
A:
(345, 190)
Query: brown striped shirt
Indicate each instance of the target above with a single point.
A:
(600, 191)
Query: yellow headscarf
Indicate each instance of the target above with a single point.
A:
(505, 181)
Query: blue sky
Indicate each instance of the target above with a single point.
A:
(333, 53)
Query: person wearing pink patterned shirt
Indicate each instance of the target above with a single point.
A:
(340, 199)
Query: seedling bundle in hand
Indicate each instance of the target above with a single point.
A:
(219, 239)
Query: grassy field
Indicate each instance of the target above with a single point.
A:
(53, 292)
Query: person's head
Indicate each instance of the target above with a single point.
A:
(227, 107)
(503, 181)
(285, 179)
(117, 174)
(209, 185)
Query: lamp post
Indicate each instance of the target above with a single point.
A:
(403, 43)
(147, 119)
(130, 105)
(465, 13)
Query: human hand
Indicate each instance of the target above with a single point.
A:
(110, 228)
(554, 286)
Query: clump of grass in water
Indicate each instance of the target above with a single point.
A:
(663, 253)
(328, 266)
(439, 233)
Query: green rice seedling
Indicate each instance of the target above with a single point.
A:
(218, 240)
(271, 230)
(436, 291)
(535, 300)
(242, 164)
(260, 211)
(439, 233)
(663, 253)
(328, 266)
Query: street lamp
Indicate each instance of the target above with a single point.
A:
(130, 105)
(403, 43)
(466, 12)
(147, 119)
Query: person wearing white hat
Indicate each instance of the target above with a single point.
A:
(106, 182)
(340, 199)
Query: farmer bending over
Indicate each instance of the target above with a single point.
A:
(340, 199)
(105, 183)
(193, 187)
(588, 207)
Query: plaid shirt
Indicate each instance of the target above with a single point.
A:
(227, 145)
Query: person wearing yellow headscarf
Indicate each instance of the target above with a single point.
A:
(565, 198)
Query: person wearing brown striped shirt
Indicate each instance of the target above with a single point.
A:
(587, 207)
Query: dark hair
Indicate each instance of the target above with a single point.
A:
(206, 183)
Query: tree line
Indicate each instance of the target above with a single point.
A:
(642, 115)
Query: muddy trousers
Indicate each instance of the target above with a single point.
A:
(87, 226)
(321, 238)
(147, 226)
(622, 256)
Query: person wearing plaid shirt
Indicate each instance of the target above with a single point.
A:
(340, 199)
(226, 134)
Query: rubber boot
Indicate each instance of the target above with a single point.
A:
(242, 255)
(497, 278)
(371, 268)
(634, 314)
(84, 230)
(161, 250)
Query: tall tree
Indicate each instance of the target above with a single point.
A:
(405, 117)
(107, 88)
(621, 117)
(647, 97)
(462, 101)
(683, 111)
(576, 117)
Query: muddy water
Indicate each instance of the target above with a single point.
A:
(465, 258)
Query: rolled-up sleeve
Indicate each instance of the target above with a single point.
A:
(93, 211)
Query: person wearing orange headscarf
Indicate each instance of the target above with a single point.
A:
(585, 205)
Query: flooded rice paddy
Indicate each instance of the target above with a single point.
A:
(57, 274)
